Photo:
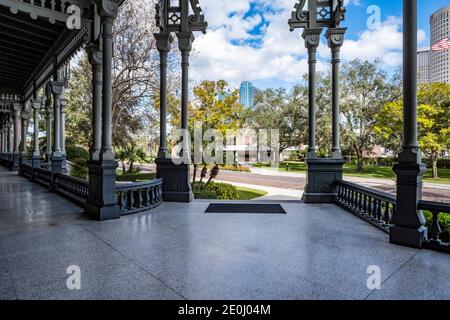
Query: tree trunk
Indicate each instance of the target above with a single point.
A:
(130, 169)
(359, 160)
(195, 174)
(124, 170)
(434, 168)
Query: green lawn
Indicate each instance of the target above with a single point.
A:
(369, 171)
(249, 194)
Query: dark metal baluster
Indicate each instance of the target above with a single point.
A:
(435, 226)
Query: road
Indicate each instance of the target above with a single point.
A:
(297, 181)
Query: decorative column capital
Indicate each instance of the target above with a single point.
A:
(57, 87)
(25, 115)
(312, 37)
(108, 8)
(36, 104)
(163, 42)
(185, 41)
(17, 107)
(335, 37)
(94, 54)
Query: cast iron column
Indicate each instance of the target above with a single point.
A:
(185, 46)
(102, 204)
(408, 221)
(49, 125)
(16, 123)
(10, 141)
(24, 130)
(63, 104)
(36, 159)
(312, 40)
(335, 38)
(163, 42)
(95, 59)
(3, 140)
(57, 88)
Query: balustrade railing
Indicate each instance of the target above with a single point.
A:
(138, 197)
(26, 170)
(373, 206)
(74, 189)
(42, 176)
(438, 239)
(6, 159)
(131, 197)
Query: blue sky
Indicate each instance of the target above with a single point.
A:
(250, 40)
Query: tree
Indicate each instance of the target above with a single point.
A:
(131, 154)
(135, 78)
(365, 89)
(222, 114)
(287, 112)
(433, 119)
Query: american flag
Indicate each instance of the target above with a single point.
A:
(444, 44)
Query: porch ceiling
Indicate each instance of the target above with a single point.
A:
(25, 46)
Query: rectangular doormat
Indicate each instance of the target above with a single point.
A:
(259, 208)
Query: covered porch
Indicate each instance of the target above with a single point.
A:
(322, 248)
(178, 252)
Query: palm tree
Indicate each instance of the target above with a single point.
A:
(122, 157)
(132, 154)
(135, 154)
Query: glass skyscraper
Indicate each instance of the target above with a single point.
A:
(247, 94)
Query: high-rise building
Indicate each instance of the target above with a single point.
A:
(440, 60)
(423, 66)
(247, 94)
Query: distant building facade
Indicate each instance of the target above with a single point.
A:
(440, 60)
(423, 66)
(247, 94)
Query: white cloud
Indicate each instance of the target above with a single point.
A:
(226, 51)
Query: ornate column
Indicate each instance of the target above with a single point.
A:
(102, 204)
(16, 153)
(36, 159)
(95, 59)
(24, 130)
(335, 38)
(63, 104)
(57, 90)
(49, 125)
(312, 40)
(322, 172)
(163, 42)
(9, 137)
(409, 223)
(3, 140)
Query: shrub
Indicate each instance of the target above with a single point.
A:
(138, 177)
(234, 167)
(79, 168)
(214, 190)
(444, 220)
(73, 152)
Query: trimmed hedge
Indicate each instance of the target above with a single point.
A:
(74, 152)
(137, 177)
(214, 190)
(79, 168)
(389, 162)
(444, 220)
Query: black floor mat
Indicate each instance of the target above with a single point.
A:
(245, 208)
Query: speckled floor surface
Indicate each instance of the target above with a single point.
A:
(179, 252)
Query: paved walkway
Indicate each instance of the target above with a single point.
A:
(179, 252)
